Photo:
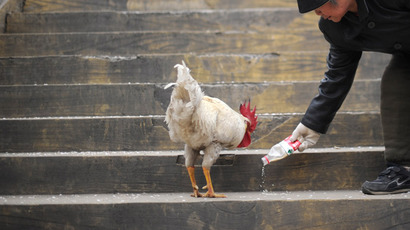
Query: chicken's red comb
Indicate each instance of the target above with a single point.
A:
(246, 112)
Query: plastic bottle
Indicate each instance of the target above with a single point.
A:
(281, 150)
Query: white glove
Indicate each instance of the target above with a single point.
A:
(306, 136)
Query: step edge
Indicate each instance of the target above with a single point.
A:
(128, 198)
(162, 84)
(141, 12)
(261, 115)
(180, 152)
(154, 32)
(148, 55)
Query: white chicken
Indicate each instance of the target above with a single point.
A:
(205, 124)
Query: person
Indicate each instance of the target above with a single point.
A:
(352, 27)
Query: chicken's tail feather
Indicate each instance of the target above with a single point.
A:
(185, 98)
(186, 82)
(183, 72)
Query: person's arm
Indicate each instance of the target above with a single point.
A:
(333, 89)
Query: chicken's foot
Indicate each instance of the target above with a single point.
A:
(210, 192)
(191, 172)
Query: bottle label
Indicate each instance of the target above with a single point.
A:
(281, 150)
(291, 146)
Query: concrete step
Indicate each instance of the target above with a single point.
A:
(253, 20)
(139, 43)
(164, 171)
(250, 210)
(211, 68)
(152, 99)
(148, 133)
(148, 5)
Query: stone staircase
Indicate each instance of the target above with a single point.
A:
(83, 143)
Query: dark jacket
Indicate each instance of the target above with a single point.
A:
(380, 26)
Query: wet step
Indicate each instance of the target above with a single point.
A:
(149, 133)
(249, 210)
(152, 99)
(149, 5)
(139, 43)
(266, 20)
(209, 68)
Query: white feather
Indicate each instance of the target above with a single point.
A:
(199, 120)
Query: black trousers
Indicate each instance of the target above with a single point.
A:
(395, 109)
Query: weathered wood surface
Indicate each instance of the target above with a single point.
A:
(152, 99)
(150, 133)
(165, 172)
(81, 95)
(149, 5)
(288, 66)
(137, 43)
(7, 7)
(252, 20)
(83, 100)
(248, 211)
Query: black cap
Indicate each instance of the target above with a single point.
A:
(309, 5)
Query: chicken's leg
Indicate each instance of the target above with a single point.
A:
(191, 172)
(190, 157)
(210, 192)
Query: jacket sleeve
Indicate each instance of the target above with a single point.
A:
(333, 88)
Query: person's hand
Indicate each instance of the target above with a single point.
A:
(306, 136)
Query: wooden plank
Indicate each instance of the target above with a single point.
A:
(98, 5)
(205, 4)
(82, 174)
(83, 100)
(347, 129)
(150, 99)
(150, 133)
(252, 20)
(136, 43)
(288, 66)
(189, 213)
(322, 171)
(294, 97)
(83, 134)
(165, 172)
(73, 5)
(8, 6)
